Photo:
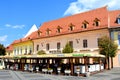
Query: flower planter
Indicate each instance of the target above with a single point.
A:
(50, 71)
(67, 72)
(44, 70)
(78, 71)
(59, 70)
(87, 74)
(37, 69)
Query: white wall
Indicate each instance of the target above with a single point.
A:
(91, 37)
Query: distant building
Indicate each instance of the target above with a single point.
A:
(9, 50)
(24, 46)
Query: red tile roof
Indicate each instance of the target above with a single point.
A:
(9, 48)
(113, 17)
(77, 20)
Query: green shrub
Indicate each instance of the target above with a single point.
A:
(41, 52)
(67, 49)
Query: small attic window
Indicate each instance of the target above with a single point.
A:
(71, 27)
(96, 22)
(39, 33)
(85, 24)
(28, 37)
(48, 31)
(59, 29)
(118, 19)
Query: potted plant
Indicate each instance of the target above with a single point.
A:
(37, 69)
(59, 69)
(50, 70)
(78, 69)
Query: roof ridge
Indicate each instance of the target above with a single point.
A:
(104, 7)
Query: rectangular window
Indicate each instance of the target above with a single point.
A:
(21, 50)
(30, 51)
(119, 58)
(58, 46)
(58, 30)
(47, 46)
(71, 43)
(119, 39)
(15, 52)
(37, 47)
(71, 28)
(96, 23)
(84, 26)
(47, 33)
(26, 50)
(98, 39)
(85, 45)
(118, 20)
(18, 51)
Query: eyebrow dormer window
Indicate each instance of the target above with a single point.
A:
(85, 24)
(48, 31)
(96, 22)
(71, 27)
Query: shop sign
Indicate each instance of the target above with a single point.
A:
(78, 55)
(60, 55)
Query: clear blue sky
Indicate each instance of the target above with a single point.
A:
(18, 16)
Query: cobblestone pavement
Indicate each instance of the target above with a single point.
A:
(113, 74)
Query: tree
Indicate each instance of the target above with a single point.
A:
(2, 50)
(41, 52)
(108, 48)
(67, 49)
(113, 51)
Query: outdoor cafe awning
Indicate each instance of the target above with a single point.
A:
(67, 55)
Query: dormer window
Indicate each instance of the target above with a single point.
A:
(59, 29)
(96, 22)
(48, 31)
(29, 38)
(118, 19)
(85, 24)
(39, 33)
(71, 27)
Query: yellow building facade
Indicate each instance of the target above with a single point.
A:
(23, 48)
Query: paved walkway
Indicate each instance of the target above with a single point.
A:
(113, 74)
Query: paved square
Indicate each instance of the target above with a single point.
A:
(113, 74)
